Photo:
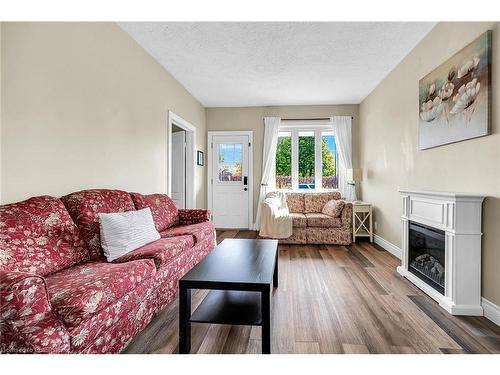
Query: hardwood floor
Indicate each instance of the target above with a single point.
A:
(333, 299)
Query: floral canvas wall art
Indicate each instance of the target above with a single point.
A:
(455, 98)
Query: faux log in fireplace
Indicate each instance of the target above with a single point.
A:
(426, 255)
(441, 247)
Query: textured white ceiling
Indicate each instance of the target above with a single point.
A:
(269, 63)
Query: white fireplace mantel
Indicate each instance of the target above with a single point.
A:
(459, 216)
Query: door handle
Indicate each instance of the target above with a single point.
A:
(245, 189)
(245, 180)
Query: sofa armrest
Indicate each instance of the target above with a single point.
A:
(346, 216)
(28, 323)
(193, 215)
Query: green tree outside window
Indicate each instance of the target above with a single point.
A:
(306, 158)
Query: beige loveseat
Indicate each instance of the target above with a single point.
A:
(310, 226)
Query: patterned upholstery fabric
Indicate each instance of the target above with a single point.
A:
(109, 330)
(27, 322)
(299, 220)
(84, 207)
(333, 207)
(92, 306)
(328, 236)
(178, 266)
(160, 251)
(198, 231)
(346, 217)
(299, 236)
(38, 236)
(80, 291)
(193, 216)
(163, 208)
(322, 220)
(314, 202)
(295, 202)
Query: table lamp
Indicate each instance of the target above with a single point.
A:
(354, 175)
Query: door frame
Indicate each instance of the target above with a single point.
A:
(174, 119)
(176, 161)
(210, 146)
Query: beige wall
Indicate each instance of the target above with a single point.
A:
(84, 106)
(252, 118)
(389, 149)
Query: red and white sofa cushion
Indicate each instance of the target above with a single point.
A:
(84, 207)
(38, 236)
(78, 292)
(164, 211)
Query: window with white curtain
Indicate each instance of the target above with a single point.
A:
(306, 158)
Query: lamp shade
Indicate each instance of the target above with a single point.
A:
(355, 174)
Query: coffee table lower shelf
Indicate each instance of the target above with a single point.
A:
(229, 307)
(232, 307)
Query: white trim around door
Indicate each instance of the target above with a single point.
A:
(248, 133)
(174, 119)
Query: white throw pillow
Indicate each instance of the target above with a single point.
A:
(122, 232)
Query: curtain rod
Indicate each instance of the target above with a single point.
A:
(309, 119)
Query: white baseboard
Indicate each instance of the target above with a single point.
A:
(390, 247)
(491, 311)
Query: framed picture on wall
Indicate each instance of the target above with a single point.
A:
(200, 159)
(455, 98)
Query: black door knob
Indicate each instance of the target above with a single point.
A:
(245, 189)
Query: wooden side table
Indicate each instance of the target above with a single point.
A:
(362, 220)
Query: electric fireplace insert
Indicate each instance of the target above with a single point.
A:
(426, 255)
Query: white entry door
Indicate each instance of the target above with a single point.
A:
(179, 169)
(230, 181)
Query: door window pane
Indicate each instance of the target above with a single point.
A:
(284, 161)
(230, 159)
(329, 161)
(306, 160)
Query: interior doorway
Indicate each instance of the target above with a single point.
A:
(181, 161)
(179, 166)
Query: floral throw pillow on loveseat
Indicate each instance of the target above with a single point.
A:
(333, 208)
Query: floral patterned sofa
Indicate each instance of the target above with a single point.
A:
(311, 226)
(58, 292)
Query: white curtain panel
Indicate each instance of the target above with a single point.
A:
(342, 126)
(268, 181)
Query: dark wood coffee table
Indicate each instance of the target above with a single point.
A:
(240, 274)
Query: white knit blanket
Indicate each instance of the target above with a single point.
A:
(275, 220)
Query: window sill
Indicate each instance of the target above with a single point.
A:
(308, 190)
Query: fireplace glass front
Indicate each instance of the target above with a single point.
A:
(426, 255)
